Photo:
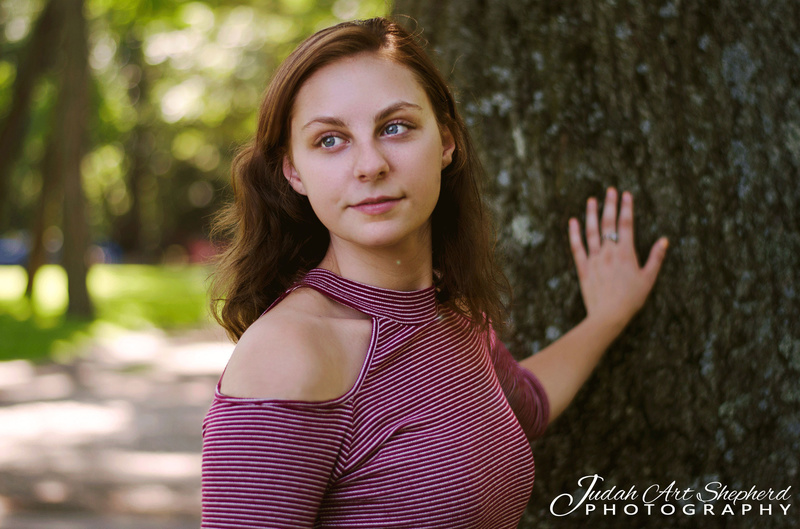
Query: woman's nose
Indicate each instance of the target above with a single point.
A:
(371, 162)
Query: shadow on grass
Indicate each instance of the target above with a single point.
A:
(29, 340)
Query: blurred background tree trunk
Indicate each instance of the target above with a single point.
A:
(47, 207)
(695, 108)
(72, 113)
(37, 58)
(128, 227)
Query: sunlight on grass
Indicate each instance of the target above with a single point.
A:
(50, 291)
(136, 295)
(124, 296)
(12, 282)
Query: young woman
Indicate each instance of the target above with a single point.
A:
(368, 387)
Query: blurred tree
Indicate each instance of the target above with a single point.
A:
(694, 107)
(128, 226)
(72, 111)
(48, 206)
(60, 34)
(35, 59)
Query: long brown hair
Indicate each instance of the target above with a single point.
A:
(273, 235)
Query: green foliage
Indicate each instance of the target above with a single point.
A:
(176, 88)
(125, 296)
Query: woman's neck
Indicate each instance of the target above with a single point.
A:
(406, 269)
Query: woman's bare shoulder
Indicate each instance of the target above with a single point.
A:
(299, 350)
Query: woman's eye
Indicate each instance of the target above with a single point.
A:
(395, 128)
(330, 141)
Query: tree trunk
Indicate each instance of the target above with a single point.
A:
(695, 108)
(72, 113)
(46, 208)
(36, 58)
(128, 227)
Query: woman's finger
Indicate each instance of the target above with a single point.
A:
(609, 222)
(592, 230)
(576, 245)
(625, 225)
(653, 264)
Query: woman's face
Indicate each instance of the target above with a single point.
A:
(367, 151)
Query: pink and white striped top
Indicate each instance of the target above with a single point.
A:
(431, 435)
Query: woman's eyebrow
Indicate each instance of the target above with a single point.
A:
(391, 109)
(325, 120)
(383, 114)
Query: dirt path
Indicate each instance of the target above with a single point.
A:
(109, 440)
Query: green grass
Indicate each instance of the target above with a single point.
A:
(124, 297)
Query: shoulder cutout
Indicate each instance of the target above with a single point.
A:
(306, 348)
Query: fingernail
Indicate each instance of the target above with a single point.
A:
(664, 243)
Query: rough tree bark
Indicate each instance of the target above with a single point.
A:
(694, 107)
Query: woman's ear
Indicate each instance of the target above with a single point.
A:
(448, 146)
(290, 173)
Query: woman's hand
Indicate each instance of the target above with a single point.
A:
(614, 288)
(613, 285)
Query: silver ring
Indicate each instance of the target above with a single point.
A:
(611, 236)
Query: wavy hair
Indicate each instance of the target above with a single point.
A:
(272, 236)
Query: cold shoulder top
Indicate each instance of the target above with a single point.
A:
(433, 434)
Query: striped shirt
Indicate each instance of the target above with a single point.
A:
(433, 434)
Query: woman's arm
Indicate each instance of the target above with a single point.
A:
(267, 464)
(613, 287)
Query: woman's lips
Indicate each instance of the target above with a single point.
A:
(377, 205)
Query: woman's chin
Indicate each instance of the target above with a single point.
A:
(391, 240)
